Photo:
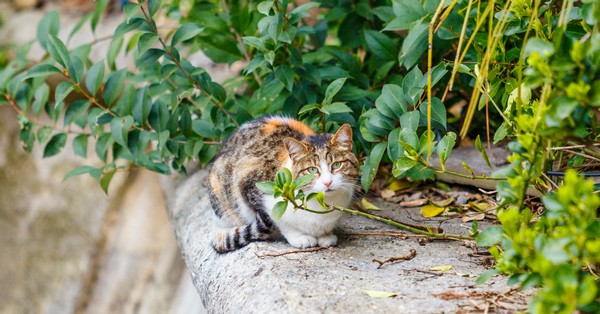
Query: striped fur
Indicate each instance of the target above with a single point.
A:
(255, 152)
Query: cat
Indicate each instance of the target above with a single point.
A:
(254, 153)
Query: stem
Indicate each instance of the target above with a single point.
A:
(401, 225)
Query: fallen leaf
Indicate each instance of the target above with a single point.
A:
(399, 185)
(380, 294)
(387, 194)
(414, 203)
(368, 205)
(464, 275)
(442, 203)
(477, 217)
(431, 211)
(480, 206)
(441, 268)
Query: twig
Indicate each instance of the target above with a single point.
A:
(406, 257)
(428, 272)
(309, 250)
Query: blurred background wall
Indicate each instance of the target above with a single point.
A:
(67, 247)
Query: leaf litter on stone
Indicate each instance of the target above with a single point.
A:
(380, 294)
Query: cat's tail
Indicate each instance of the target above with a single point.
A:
(229, 239)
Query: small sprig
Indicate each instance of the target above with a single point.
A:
(289, 191)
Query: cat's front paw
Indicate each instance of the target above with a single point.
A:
(327, 240)
(302, 241)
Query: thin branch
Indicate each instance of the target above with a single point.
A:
(309, 250)
(406, 257)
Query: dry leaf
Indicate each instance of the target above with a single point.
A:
(398, 185)
(431, 211)
(464, 275)
(387, 194)
(480, 206)
(442, 203)
(414, 203)
(441, 268)
(368, 205)
(380, 294)
(477, 217)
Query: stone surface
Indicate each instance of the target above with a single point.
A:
(327, 281)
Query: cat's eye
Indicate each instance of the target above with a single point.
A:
(312, 169)
(336, 165)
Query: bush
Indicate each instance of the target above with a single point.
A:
(528, 70)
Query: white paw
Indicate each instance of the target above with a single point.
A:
(302, 241)
(327, 240)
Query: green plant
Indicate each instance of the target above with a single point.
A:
(290, 191)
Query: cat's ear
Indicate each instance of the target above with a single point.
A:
(293, 146)
(343, 137)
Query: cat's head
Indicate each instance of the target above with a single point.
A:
(329, 157)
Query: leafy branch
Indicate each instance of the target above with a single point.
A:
(290, 192)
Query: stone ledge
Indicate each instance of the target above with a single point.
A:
(331, 280)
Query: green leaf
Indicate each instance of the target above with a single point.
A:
(113, 52)
(146, 41)
(95, 77)
(43, 133)
(98, 11)
(254, 42)
(80, 145)
(490, 236)
(63, 89)
(186, 32)
(445, 146)
(103, 143)
(48, 26)
(336, 107)
(41, 70)
(394, 148)
(438, 112)
(153, 6)
(391, 102)
(279, 210)
(265, 7)
(480, 149)
(114, 85)
(407, 12)
(413, 46)
(76, 69)
(203, 128)
(266, 187)
(40, 98)
(119, 127)
(55, 145)
(402, 165)
(303, 180)
(486, 275)
(333, 88)
(105, 180)
(284, 175)
(78, 171)
(410, 120)
(379, 44)
(371, 166)
(501, 132)
(76, 110)
(149, 57)
(58, 50)
(285, 75)
(142, 106)
(539, 46)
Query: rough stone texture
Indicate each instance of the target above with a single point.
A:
(328, 281)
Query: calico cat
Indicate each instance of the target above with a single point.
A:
(254, 153)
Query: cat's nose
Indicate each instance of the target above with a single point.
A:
(327, 182)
